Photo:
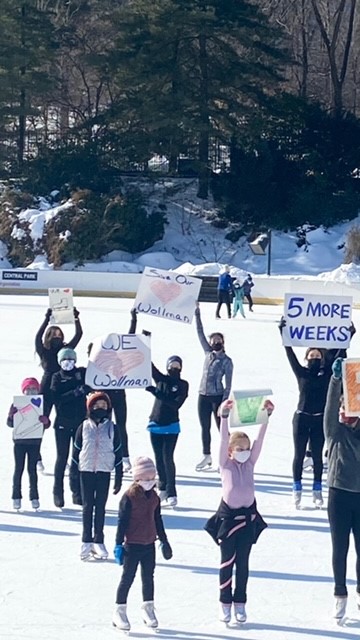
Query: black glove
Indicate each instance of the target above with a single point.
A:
(151, 389)
(48, 314)
(133, 313)
(146, 333)
(352, 329)
(76, 313)
(117, 488)
(80, 391)
(166, 550)
(282, 324)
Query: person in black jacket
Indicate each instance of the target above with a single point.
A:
(164, 427)
(69, 393)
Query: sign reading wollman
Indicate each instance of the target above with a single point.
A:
(168, 295)
(317, 321)
(351, 385)
(119, 362)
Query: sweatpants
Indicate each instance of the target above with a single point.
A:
(64, 436)
(133, 555)
(238, 306)
(307, 427)
(94, 492)
(223, 298)
(344, 518)
(208, 405)
(235, 552)
(164, 446)
(22, 450)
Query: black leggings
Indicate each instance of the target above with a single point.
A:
(164, 446)
(208, 405)
(344, 517)
(94, 492)
(306, 428)
(135, 554)
(223, 298)
(21, 451)
(235, 551)
(63, 438)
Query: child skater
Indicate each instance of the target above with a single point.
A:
(139, 525)
(238, 304)
(96, 452)
(237, 524)
(29, 447)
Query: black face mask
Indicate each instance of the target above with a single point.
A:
(217, 346)
(98, 415)
(56, 343)
(174, 372)
(314, 365)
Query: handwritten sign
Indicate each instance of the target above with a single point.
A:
(26, 419)
(248, 407)
(317, 321)
(166, 294)
(62, 305)
(351, 385)
(119, 362)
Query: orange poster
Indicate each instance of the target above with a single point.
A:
(351, 382)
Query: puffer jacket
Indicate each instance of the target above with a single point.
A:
(97, 447)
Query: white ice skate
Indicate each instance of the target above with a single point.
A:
(308, 463)
(120, 619)
(318, 499)
(126, 465)
(358, 600)
(340, 607)
(225, 612)
(17, 504)
(100, 551)
(148, 614)
(240, 613)
(205, 462)
(171, 501)
(297, 498)
(86, 550)
(40, 467)
(163, 496)
(35, 504)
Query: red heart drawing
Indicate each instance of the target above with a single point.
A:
(117, 363)
(67, 290)
(165, 291)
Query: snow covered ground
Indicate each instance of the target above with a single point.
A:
(47, 593)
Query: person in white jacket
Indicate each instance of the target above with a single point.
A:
(96, 452)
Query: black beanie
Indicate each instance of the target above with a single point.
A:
(173, 359)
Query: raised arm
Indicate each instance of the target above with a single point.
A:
(331, 414)
(224, 411)
(156, 374)
(294, 362)
(258, 443)
(39, 347)
(78, 331)
(200, 331)
(133, 322)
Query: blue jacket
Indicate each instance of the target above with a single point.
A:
(225, 282)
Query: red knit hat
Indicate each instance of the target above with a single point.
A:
(30, 382)
(95, 396)
(141, 467)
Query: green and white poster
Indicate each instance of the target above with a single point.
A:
(248, 407)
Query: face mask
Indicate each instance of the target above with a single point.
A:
(314, 365)
(67, 365)
(241, 456)
(147, 484)
(174, 372)
(98, 414)
(217, 346)
(56, 343)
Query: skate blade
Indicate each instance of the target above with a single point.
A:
(125, 632)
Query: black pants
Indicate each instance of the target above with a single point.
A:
(94, 491)
(235, 551)
(120, 411)
(223, 298)
(135, 553)
(21, 451)
(63, 438)
(164, 446)
(249, 299)
(208, 405)
(306, 428)
(344, 517)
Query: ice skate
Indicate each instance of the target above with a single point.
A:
(58, 501)
(171, 501)
(17, 504)
(317, 498)
(240, 613)
(120, 619)
(225, 612)
(86, 550)
(126, 465)
(67, 470)
(340, 607)
(148, 614)
(163, 496)
(205, 462)
(40, 467)
(358, 600)
(308, 463)
(35, 504)
(100, 551)
(297, 498)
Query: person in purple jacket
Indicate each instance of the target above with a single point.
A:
(237, 524)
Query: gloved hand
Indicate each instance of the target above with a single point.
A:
(225, 408)
(45, 421)
(76, 313)
(166, 550)
(12, 411)
(48, 314)
(133, 313)
(80, 391)
(146, 333)
(117, 487)
(282, 324)
(352, 329)
(119, 553)
(151, 389)
(337, 368)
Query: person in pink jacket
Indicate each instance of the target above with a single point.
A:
(237, 524)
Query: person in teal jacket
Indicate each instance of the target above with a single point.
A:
(238, 299)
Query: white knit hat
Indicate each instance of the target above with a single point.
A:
(143, 466)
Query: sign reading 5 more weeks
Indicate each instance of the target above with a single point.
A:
(167, 294)
(119, 362)
(317, 321)
(351, 385)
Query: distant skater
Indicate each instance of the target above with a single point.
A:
(225, 291)
(247, 285)
(238, 304)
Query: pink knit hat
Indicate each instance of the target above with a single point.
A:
(30, 382)
(143, 466)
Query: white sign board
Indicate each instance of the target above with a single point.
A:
(26, 420)
(317, 321)
(62, 305)
(167, 294)
(248, 408)
(119, 362)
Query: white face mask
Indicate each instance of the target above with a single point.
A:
(241, 456)
(67, 365)
(147, 484)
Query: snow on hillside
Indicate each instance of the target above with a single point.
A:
(191, 243)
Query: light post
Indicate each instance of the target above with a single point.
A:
(259, 245)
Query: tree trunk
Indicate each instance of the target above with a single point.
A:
(203, 148)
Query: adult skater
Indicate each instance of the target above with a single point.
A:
(212, 392)
(237, 524)
(225, 291)
(343, 441)
(170, 394)
(247, 285)
(69, 393)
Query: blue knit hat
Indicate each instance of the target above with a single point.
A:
(66, 354)
(173, 359)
